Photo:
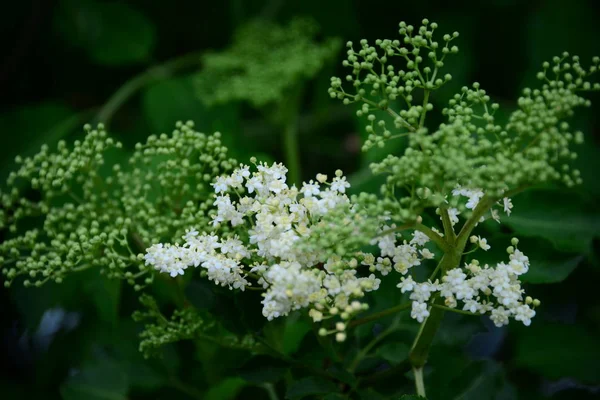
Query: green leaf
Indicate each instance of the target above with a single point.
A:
(481, 380)
(112, 33)
(105, 293)
(226, 389)
(559, 217)
(200, 294)
(371, 394)
(342, 375)
(263, 369)
(27, 128)
(335, 396)
(559, 351)
(395, 352)
(549, 267)
(175, 99)
(296, 328)
(103, 380)
(310, 386)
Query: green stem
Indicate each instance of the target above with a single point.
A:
(425, 102)
(185, 388)
(451, 259)
(420, 349)
(153, 74)
(380, 314)
(437, 239)
(482, 207)
(448, 229)
(455, 310)
(420, 385)
(365, 350)
(271, 391)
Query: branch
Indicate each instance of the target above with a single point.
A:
(436, 238)
(153, 74)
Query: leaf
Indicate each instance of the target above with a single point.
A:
(550, 269)
(395, 352)
(342, 375)
(371, 394)
(263, 369)
(112, 33)
(105, 293)
(175, 99)
(27, 128)
(558, 351)
(200, 294)
(310, 386)
(103, 380)
(294, 331)
(225, 390)
(559, 217)
(482, 380)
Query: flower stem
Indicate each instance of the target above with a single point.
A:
(271, 391)
(455, 310)
(420, 385)
(380, 314)
(153, 74)
(420, 349)
(365, 351)
(425, 102)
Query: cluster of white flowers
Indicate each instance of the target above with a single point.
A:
(220, 258)
(275, 217)
(481, 290)
(400, 257)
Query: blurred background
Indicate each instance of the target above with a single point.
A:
(132, 65)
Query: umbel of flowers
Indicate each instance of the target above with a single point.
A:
(180, 203)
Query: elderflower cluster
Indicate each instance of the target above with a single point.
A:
(481, 290)
(379, 84)
(266, 228)
(395, 80)
(87, 212)
(265, 62)
(400, 257)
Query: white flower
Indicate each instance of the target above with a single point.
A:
(221, 184)
(500, 316)
(482, 243)
(406, 284)
(453, 213)
(473, 195)
(524, 313)
(422, 291)
(310, 189)
(507, 205)
(340, 184)
(419, 311)
(419, 238)
(428, 255)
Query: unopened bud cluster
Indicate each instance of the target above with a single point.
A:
(97, 214)
(264, 63)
